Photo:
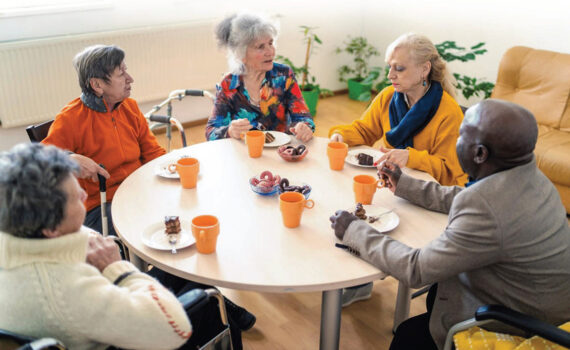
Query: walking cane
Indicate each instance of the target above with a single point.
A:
(103, 193)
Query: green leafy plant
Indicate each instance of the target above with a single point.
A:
(449, 52)
(308, 81)
(361, 51)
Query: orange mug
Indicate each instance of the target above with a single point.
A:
(255, 140)
(188, 169)
(292, 205)
(205, 229)
(364, 188)
(337, 151)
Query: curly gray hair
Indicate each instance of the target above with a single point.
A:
(31, 197)
(98, 61)
(236, 32)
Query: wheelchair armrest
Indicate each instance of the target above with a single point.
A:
(17, 338)
(193, 300)
(524, 322)
(44, 344)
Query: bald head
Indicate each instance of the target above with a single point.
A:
(498, 135)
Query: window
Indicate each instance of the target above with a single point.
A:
(40, 7)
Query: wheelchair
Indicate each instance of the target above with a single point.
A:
(193, 301)
(492, 313)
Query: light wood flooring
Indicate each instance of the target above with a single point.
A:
(292, 320)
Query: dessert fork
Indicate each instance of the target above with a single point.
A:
(172, 240)
(377, 217)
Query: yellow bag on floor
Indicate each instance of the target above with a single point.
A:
(476, 338)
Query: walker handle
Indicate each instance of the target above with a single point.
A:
(160, 119)
(194, 92)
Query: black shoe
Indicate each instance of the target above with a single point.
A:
(243, 318)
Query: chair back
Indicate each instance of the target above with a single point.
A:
(38, 132)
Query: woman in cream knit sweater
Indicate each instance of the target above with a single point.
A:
(59, 280)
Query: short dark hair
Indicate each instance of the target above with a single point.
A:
(31, 197)
(98, 61)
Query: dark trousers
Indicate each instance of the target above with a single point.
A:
(205, 324)
(93, 219)
(414, 333)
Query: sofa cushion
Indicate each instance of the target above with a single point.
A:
(537, 80)
(553, 155)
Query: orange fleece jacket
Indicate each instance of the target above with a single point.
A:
(434, 147)
(120, 140)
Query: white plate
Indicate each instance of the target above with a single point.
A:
(162, 170)
(154, 237)
(387, 222)
(352, 157)
(281, 139)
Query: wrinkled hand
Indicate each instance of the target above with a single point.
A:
(239, 127)
(302, 132)
(340, 221)
(336, 137)
(88, 169)
(102, 251)
(396, 156)
(390, 173)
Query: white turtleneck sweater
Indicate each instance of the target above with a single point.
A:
(47, 289)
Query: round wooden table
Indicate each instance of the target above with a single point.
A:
(254, 250)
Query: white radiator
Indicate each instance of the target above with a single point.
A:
(37, 77)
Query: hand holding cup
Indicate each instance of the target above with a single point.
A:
(390, 173)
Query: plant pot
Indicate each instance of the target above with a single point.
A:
(311, 99)
(358, 91)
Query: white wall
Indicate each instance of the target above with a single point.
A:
(499, 23)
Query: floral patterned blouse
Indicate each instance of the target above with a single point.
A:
(281, 104)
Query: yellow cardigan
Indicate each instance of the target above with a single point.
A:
(434, 146)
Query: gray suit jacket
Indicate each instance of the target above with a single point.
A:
(507, 242)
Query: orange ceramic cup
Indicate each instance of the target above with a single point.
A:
(337, 151)
(292, 205)
(205, 229)
(364, 188)
(255, 140)
(188, 169)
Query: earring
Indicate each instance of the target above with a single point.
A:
(424, 82)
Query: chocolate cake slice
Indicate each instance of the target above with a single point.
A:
(365, 159)
(172, 225)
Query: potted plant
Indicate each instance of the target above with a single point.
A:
(359, 76)
(449, 51)
(309, 88)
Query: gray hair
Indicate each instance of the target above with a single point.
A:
(236, 32)
(421, 49)
(31, 197)
(98, 61)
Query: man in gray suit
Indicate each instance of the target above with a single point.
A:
(507, 240)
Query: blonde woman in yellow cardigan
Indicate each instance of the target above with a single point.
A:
(417, 118)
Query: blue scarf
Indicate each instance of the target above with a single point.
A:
(471, 182)
(404, 123)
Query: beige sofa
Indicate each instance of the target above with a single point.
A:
(540, 81)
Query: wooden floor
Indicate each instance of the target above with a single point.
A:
(292, 320)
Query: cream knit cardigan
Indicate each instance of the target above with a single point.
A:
(47, 289)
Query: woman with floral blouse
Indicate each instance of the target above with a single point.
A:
(257, 93)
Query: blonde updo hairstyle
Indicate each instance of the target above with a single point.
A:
(422, 50)
(236, 32)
